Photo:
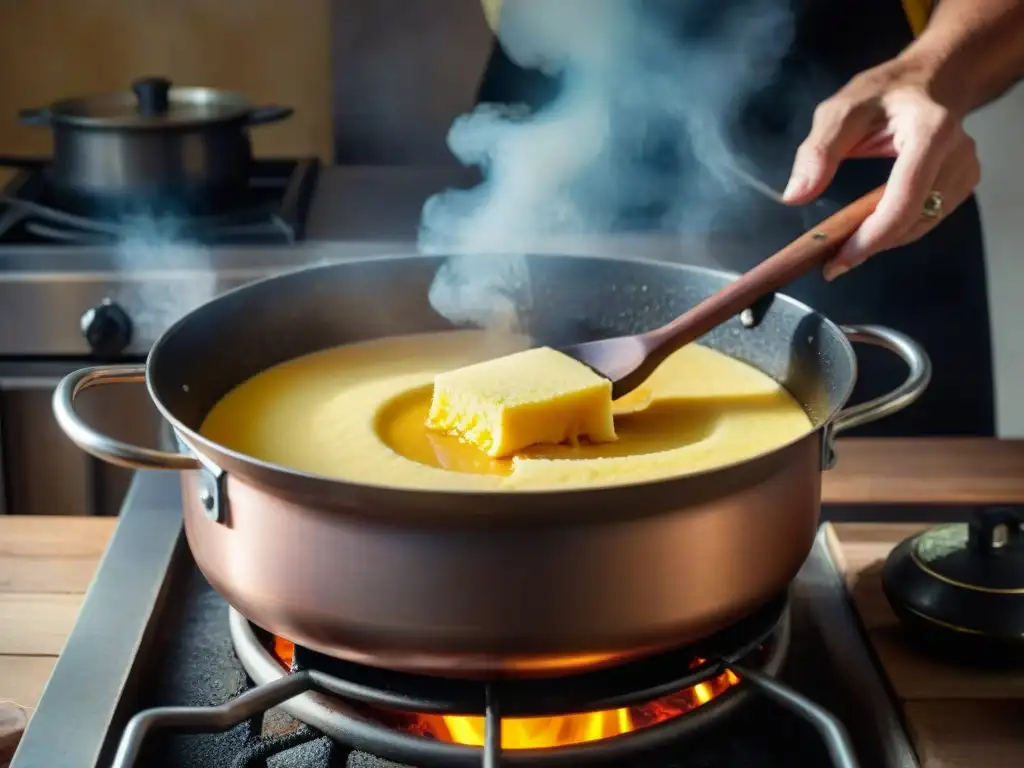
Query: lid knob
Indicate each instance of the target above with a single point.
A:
(153, 94)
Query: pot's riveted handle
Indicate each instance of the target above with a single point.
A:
(268, 114)
(918, 376)
(102, 447)
(35, 117)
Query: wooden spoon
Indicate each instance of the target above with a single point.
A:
(628, 360)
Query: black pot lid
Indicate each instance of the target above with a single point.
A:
(152, 103)
(965, 578)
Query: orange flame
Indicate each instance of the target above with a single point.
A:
(284, 650)
(559, 731)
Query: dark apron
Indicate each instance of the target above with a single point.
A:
(934, 289)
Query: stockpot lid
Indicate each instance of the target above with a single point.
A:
(153, 102)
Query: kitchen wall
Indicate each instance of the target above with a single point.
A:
(998, 130)
(280, 51)
(270, 50)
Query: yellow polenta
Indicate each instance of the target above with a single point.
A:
(358, 413)
(534, 397)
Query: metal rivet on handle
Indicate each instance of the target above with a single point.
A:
(212, 485)
(213, 496)
(209, 503)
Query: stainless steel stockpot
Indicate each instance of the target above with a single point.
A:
(156, 146)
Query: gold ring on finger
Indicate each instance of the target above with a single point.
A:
(932, 208)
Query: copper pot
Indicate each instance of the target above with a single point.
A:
(486, 583)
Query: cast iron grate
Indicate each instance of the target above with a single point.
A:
(628, 684)
(273, 212)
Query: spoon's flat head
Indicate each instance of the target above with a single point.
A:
(623, 360)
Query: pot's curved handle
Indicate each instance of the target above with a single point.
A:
(102, 447)
(35, 116)
(269, 114)
(918, 376)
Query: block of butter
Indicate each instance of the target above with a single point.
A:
(538, 396)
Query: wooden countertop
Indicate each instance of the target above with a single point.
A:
(956, 717)
(47, 563)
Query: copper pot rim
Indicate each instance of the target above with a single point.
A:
(429, 508)
(216, 453)
(486, 505)
(254, 469)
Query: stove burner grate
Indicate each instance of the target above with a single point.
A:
(326, 695)
(273, 210)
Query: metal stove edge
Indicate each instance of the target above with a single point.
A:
(87, 696)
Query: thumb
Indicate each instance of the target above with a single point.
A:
(837, 128)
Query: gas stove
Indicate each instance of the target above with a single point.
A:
(83, 285)
(51, 287)
(88, 296)
(160, 672)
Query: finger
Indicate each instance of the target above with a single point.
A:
(956, 181)
(912, 177)
(876, 145)
(839, 124)
(955, 187)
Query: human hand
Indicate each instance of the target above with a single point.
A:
(889, 111)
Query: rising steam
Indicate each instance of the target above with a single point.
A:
(630, 86)
(166, 275)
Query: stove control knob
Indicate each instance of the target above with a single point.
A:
(107, 328)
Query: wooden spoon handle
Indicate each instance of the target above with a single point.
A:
(812, 249)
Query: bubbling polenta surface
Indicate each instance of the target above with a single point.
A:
(357, 413)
